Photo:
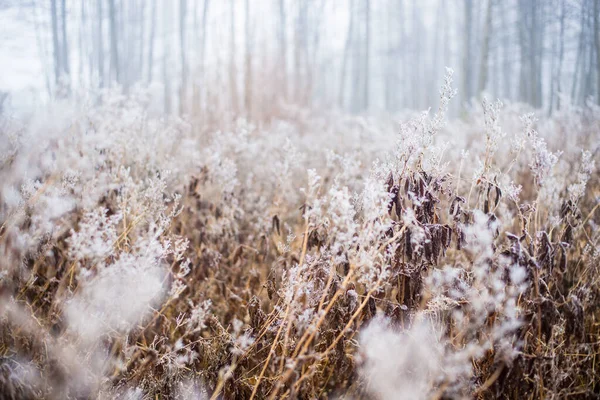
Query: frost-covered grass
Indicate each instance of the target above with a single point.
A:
(313, 255)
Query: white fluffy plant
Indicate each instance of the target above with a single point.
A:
(120, 294)
(424, 359)
(472, 291)
(400, 364)
(467, 293)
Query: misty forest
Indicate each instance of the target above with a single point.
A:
(299, 199)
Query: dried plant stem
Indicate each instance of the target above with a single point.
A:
(354, 316)
(222, 379)
(346, 327)
(271, 352)
(304, 244)
(301, 350)
(490, 381)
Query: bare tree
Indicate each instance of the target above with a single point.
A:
(555, 87)
(437, 55)
(417, 40)
(283, 47)
(357, 66)
(203, 39)
(114, 50)
(311, 59)
(537, 44)
(165, 59)
(81, 39)
(404, 46)
(485, 48)
(100, 41)
(182, 45)
(55, 42)
(587, 85)
(347, 49)
(367, 57)
(561, 51)
(41, 47)
(392, 55)
(522, 54)
(232, 60)
(248, 61)
(65, 42)
(580, 49)
(597, 42)
(151, 41)
(196, 95)
(528, 41)
(506, 52)
(300, 50)
(141, 39)
(467, 54)
(580, 87)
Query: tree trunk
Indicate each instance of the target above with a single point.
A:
(165, 59)
(65, 45)
(597, 42)
(416, 64)
(183, 89)
(539, 10)
(347, 49)
(367, 54)
(525, 65)
(55, 43)
(248, 62)
(141, 45)
(389, 70)
(552, 75)
(203, 43)
(580, 49)
(41, 49)
(556, 83)
(232, 62)
(204, 23)
(151, 42)
(283, 47)
(485, 49)
(467, 72)
(199, 89)
(406, 64)
(437, 56)
(588, 85)
(506, 62)
(80, 40)
(497, 64)
(561, 53)
(100, 39)
(114, 50)
(300, 51)
(532, 79)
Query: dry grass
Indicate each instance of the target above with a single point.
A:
(423, 275)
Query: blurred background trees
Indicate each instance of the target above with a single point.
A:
(359, 55)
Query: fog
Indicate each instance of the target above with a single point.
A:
(299, 199)
(357, 55)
